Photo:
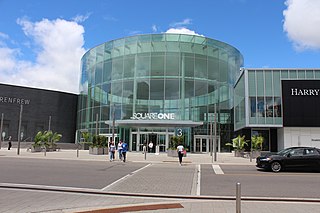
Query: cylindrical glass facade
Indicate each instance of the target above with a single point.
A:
(159, 73)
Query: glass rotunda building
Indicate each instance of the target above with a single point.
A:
(151, 87)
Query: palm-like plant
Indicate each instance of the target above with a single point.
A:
(238, 143)
(256, 142)
(46, 138)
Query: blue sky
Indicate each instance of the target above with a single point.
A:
(42, 42)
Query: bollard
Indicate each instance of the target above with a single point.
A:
(238, 198)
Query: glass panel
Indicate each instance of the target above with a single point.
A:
(116, 89)
(173, 47)
(158, 46)
(198, 49)
(186, 38)
(107, 50)
(200, 88)
(284, 73)
(129, 64)
(189, 66)
(201, 67)
(99, 54)
(204, 145)
(189, 88)
(172, 64)
(105, 113)
(260, 107)
(301, 74)
(128, 90)
(172, 89)
(223, 71)
(309, 74)
(156, 89)
(157, 64)
(260, 83)
(186, 47)
(276, 83)
(317, 74)
(105, 93)
(117, 68)
(107, 68)
(213, 69)
(98, 73)
(253, 106)
(277, 107)
(292, 74)
(252, 83)
(197, 145)
(269, 106)
(143, 90)
(268, 86)
(143, 65)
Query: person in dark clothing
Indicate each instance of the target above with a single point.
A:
(124, 151)
(9, 143)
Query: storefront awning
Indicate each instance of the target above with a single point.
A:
(155, 123)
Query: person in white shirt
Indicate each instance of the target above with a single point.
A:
(180, 150)
(120, 150)
(112, 149)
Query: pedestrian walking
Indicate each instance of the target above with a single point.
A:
(124, 151)
(120, 149)
(144, 148)
(180, 150)
(9, 143)
(112, 149)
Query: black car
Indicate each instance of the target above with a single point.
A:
(293, 157)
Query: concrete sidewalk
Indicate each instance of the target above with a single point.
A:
(37, 199)
(222, 158)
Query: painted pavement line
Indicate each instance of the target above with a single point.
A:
(217, 169)
(125, 177)
(199, 178)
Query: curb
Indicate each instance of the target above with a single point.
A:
(156, 196)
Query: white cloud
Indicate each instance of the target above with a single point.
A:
(302, 23)
(182, 30)
(182, 23)
(59, 48)
(81, 18)
(154, 28)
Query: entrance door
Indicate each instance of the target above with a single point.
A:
(152, 139)
(161, 141)
(201, 143)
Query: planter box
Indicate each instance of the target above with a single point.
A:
(36, 149)
(239, 153)
(98, 150)
(173, 153)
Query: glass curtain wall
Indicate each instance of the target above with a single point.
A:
(264, 94)
(160, 73)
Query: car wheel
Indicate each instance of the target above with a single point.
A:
(276, 166)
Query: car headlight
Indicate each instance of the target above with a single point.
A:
(266, 159)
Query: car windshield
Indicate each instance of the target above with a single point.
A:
(284, 152)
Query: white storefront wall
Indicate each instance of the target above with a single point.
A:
(298, 136)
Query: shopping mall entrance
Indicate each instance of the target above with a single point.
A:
(142, 131)
(159, 139)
